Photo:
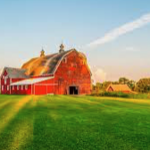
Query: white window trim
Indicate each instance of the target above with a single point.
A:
(7, 87)
(5, 81)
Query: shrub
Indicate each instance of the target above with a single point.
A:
(123, 95)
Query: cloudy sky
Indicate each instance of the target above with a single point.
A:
(114, 34)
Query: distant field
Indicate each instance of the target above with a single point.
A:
(74, 123)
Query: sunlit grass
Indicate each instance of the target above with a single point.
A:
(21, 137)
(3, 104)
(18, 131)
(14, 109)
(73, 123)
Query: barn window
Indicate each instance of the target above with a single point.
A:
(72, 65)
(5, 80)
(69, 72)
(75, 65)
(26, 87)
(2, 88)
(65, 60)
(7, 87)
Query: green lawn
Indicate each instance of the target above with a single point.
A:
(73, 123)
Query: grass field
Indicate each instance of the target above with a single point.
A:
(74, 123)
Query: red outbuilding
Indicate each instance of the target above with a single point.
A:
(63, 73)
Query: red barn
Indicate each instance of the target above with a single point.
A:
(65, 72)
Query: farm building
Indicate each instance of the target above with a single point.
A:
(119, 88)
(65, 72)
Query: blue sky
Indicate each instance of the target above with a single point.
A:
(27, 26)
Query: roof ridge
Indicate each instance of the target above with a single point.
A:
(14, 68)
(60, 53)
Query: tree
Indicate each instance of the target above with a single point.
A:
(106, 84)
(123, 80)
(130, 83)
(100, 87)
(143, 85)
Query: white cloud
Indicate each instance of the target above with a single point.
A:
(131, 49)
(124, 29)
(98, 74)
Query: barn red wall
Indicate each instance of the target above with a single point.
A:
(21, 91)
(73, 71)
(5, 91)
(45, 87)
(8, 82)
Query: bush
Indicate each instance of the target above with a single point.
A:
(123, 95)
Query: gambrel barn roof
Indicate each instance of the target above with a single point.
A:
(47, 64)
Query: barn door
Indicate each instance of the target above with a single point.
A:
(40, 90)
(73, 90)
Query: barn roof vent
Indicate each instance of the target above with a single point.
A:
(62, 48)
(42, 53)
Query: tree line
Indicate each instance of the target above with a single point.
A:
(141, 86)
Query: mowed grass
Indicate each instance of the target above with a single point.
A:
(73, 123)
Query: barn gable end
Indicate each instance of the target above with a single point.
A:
(73, 72)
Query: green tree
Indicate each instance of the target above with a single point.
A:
(123, 80)
(143, 85)
(106, 84)
(130, 83)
